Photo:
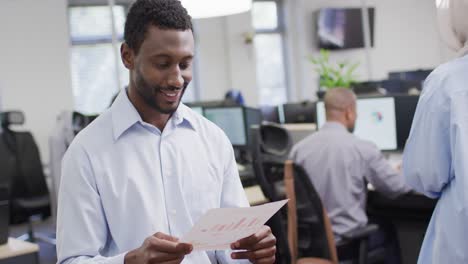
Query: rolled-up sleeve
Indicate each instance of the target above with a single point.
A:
(81, 223)
(427, 156)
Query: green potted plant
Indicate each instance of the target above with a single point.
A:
(333, 75)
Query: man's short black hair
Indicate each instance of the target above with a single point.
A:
(164, 14)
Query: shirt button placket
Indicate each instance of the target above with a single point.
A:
(167, 175)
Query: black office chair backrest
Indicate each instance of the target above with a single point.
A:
(270, 149)
(7, 162)
(21, 161)
(29, 180)
(80, 121)
(275, 142)
(23, 170)
(11, 118)
(269, 146)
(4, 213)
(312, 236)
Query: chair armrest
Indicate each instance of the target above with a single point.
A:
(360, 232)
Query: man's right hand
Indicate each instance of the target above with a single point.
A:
(159, 248)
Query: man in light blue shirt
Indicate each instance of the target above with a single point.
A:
(435, 161)
(138, 177)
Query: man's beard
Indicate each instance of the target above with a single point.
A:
(149, 94)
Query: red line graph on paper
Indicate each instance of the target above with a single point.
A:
(243, 223)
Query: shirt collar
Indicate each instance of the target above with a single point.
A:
(125, 115)
(184, 116)
(334, 125)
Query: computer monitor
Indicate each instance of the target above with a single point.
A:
(235, 121)
(301, 112)
(375, 121)
(270, 113)
(405, 107)
(367, 88)
(342, 28)
(396, 86)
(418, 75)
(212, 103)
(411, 79)
(4, 213)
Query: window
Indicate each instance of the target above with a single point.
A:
(269, 48)
(94, 59)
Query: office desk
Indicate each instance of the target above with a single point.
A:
(19, 252)
(255, 195)
(411, 206)
(410, 214)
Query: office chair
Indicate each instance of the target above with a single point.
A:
(309, 228)
(29, 196)
(7, 169)
(270, 146)
(4, 213)
(300, 112)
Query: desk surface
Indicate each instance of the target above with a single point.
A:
(16, 247)
(409, 206)
(255, 195)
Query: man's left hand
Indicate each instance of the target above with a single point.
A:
(259, 248)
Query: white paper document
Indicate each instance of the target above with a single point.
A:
(218, 228)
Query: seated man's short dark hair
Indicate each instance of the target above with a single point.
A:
(164, 14)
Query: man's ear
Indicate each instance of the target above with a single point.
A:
(349, 113)
(127, 55)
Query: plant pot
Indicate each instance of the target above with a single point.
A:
(321, 94)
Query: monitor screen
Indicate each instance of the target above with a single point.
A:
(341, 28)
(270, 113)
(302, 112)
(375, 121)
(231, 121)
(253, 116)
(405, 107)
(418, 75)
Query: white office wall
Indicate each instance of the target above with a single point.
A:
(212, 58)
(405, 38)
(225, 60)
(34, 71)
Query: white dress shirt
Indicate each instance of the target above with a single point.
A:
(123, 180)
(338, 165)
(60, 138)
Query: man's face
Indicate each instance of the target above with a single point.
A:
(162, 69)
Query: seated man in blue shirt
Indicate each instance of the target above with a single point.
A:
(141, 174)
(339, 164)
